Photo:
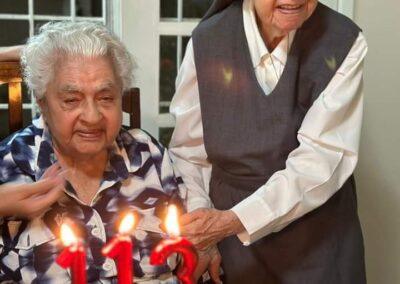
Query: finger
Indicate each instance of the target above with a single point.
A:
(51, 171)
(204, 244)
(188, 218)
(192, 229)
(44, 201)
(201, 243)
(63, 173)
(202, 264)
(41, 187)
(214, 267)
(195, 241)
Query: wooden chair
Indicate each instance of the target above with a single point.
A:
(10, 73)
(131, 105)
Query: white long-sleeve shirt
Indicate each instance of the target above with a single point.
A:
(328, 138)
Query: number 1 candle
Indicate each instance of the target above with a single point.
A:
(73, 256)
(120, 249)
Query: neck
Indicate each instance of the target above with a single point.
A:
(270, 34)
(91, 166)
(271, 37)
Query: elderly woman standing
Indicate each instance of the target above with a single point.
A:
(268, 108)
(78, 72)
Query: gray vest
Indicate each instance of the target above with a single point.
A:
(248, 137)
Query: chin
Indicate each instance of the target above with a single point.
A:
(288, 23)
(90, 150)
(289, 26)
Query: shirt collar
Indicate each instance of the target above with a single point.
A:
(45, 154)
(257, 47)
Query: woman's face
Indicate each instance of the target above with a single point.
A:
(283, 16)
(82, 106)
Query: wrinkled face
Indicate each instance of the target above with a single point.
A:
(82, 106)
(284, 15)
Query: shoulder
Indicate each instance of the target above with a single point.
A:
(18, 152)
(327, 36)
(142, 136)
(139, 140)
(326, 19)
(221, 20)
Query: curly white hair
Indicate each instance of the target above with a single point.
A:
(57, 39)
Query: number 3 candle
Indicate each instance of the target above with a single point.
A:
(176, 244)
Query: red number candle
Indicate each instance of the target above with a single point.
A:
(120, 249)
(176, 244)
(73, 256)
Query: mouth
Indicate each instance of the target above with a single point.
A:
(290, 8)
(90, 134)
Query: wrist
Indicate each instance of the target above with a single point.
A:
(235, 226)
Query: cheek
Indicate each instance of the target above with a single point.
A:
(61, 123)
(312, 4)
(264, 9)
(114, 121)
(65, 131)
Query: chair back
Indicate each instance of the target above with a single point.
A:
(10, 73)
(131, 105)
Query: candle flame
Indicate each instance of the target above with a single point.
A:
(68, 236)
(127, 224)
(171, 221)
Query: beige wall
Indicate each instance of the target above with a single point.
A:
(378, 173)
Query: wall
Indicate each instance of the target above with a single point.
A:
(378, 173)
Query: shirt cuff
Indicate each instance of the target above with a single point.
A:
(196, 203)
(255, 215)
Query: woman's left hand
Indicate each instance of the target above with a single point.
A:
(205, 227)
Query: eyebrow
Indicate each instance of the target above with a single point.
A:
(70, 88)
(107, 85)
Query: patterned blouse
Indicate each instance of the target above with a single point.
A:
(138, 176)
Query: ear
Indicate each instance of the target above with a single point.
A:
(42, 103)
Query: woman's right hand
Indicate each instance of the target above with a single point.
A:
(33, 199)
(209, 260)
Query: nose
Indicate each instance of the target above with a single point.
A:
(91, 113)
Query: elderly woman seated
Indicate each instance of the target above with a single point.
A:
(77, 159)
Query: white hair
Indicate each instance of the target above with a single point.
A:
(72, 39)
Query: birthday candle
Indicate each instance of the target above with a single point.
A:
(73, 256)
(120, 249)
(176, 244)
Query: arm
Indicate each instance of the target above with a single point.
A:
(187, 146)
(10, 53)
(188, 153)
(325, 158)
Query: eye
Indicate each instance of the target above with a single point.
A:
(70, 101)
(107, 99)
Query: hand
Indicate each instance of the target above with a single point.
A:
(210, 260)
(206, 227)
(31, 200)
